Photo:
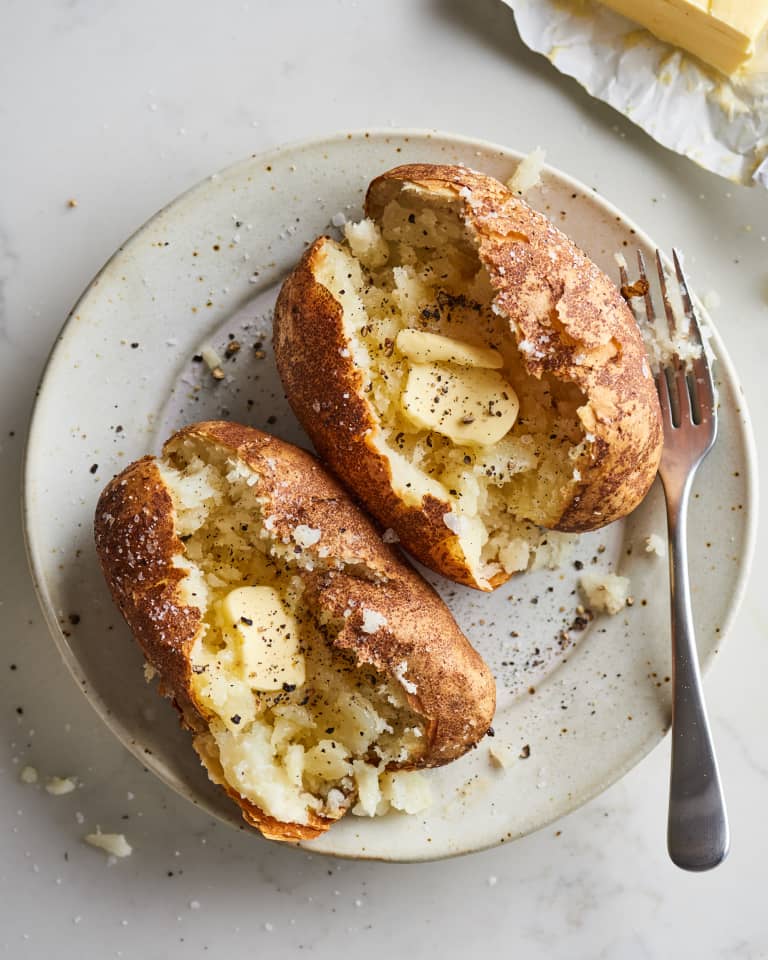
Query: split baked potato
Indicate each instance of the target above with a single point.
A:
(313, 666)
(468, 373)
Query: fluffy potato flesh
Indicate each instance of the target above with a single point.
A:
(295, 727)
(459, 416)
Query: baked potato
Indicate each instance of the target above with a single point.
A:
(468, 373)
(314, 667)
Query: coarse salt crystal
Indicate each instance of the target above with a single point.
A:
(373, 620)
(306, 536)
(453, 522)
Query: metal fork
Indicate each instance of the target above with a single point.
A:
(697, 826)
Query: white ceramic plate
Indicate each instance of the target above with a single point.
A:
(575, 709)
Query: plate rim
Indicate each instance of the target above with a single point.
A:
(359, 136)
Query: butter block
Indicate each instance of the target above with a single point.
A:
(423, 347)
(266, 637)
(470, 405)
(722, 33)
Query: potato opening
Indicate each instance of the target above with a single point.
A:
(459, 415)
(295, 727)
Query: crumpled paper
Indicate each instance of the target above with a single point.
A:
(719, 123)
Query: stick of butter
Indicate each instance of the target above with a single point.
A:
(722, 33)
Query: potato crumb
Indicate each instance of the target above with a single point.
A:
(662, 347)
(499, 755)
(113, 844)
(389, 536)
(528, 173)
(406, 790)
(28, 775)
(60, 786)
(605, 591)
(554, 549)
(149, 672)
(656, 544)
(211, 357)
(366, 242)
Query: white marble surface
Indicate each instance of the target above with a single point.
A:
(123, 105)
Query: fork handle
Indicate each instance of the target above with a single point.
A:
(697, 828)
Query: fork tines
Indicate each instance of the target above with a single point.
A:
(684, 384)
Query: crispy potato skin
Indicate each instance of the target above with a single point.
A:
(591, 341)
(309, 337)
(136, 542)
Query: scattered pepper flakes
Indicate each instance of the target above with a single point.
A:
(525, 752)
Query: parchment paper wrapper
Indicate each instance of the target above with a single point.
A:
(719, 123)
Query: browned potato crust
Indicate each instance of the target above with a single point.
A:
(348, 571)
(572, 330)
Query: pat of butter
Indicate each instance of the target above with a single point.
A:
(266, 636)
(722, 33)
(467, 404)
(423, 347)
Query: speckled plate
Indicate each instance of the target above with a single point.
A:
(579, 704)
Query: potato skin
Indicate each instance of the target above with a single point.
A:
(136, 542)
(592, 341)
